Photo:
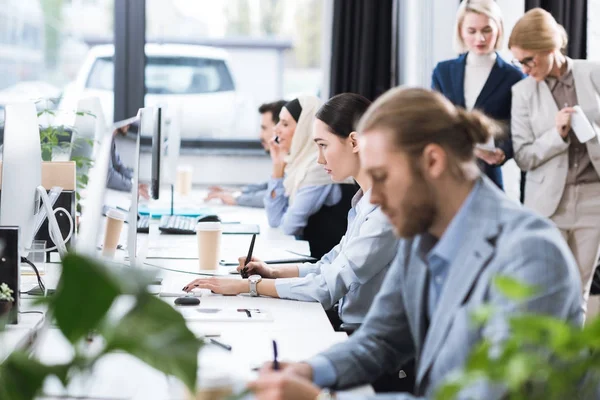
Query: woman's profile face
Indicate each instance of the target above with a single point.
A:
(285, 129)
(337, 155)
(479, 33)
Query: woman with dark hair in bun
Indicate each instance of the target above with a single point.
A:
(352, 272)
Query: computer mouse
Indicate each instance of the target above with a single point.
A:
(187, 301)
(209, 218)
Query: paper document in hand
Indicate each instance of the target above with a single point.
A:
(581, 126)
(490, 145)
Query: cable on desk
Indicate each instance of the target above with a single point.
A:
(32, 312)
(39, 278)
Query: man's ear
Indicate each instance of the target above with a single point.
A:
(435, 161)
(354, 141)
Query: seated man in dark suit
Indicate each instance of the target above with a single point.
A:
(459, 232)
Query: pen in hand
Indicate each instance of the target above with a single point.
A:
(275, 362)
(244, 271)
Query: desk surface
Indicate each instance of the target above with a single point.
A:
(300, 328)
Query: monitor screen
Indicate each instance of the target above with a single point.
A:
(21, 171)
(156, 152)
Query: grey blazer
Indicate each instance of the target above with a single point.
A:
(538, 147)
(502, 239)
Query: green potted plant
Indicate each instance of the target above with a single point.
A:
(63, 138)
(544, 358)
(6, 299)
(149, 329)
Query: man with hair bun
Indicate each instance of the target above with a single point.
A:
(458, 232)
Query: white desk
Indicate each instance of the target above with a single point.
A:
(18, 337)
(300, 328)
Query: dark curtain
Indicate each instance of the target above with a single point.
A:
(362, 41)
(572, 14)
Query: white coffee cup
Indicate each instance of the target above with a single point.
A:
(183, 182)
(209, 244)
(114, 224)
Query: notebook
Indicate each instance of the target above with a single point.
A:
(226, 314)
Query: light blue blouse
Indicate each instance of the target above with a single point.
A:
(308, 201)
(353, 271)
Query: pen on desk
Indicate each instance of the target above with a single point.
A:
(220, 344)
(275, 362)
(244, 271)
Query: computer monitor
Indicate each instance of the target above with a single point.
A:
(147, 121)
(21, 171)
(156, 152)
(91, 216)
(98, 198)
(88, 128)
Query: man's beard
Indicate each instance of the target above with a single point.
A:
(418, 209)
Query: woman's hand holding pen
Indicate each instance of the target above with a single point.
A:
(256, 267)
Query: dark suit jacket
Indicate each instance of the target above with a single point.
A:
(494, 99)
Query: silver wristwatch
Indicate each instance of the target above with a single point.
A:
(252, 282)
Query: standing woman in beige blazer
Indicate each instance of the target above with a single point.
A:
(563, 174)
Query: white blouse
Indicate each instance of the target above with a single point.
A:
(477, 71)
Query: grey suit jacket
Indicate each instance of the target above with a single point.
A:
(538, 147)
(502, 239)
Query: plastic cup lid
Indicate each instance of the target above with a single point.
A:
(208, 226)
(116, 214)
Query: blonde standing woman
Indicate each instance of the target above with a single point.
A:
(479, 78)
(563, 174)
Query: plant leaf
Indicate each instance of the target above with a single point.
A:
(157, 334)
(482, 315)
(82, 279)
(21, 377)
(513, 289)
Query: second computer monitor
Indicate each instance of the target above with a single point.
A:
(156, 152)
(21, 171)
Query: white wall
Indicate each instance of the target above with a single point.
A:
(426, 29)
(593, 44)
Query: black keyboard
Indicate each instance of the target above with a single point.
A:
(178, 224)
(143, 224)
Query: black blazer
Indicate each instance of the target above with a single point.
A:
(494, 99)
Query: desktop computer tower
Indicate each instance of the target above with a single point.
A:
(9, 266)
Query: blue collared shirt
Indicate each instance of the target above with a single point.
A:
(253, 195)
(308, 201)
(440, 254)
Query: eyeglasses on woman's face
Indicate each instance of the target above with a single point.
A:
(528, 62)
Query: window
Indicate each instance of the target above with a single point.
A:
(272, 50)
(170, 75)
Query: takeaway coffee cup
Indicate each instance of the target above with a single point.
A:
(183, 182)
(209, 244)
(114, 224)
